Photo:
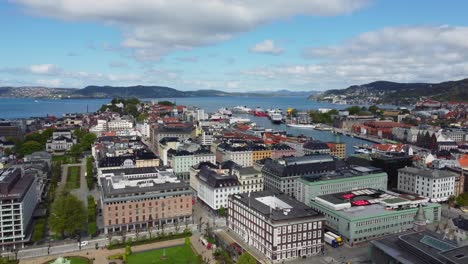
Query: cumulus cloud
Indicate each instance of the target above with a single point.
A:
(401, 54)
(118, 64)
(267, 46)
(43, 68)
(49, 82)
(154, 28)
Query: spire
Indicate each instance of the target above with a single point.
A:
(420, 220)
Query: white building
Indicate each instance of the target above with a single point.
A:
(240, 155)
(214, 188)
(62, 140)
(181, 161)
(250, 179)
(277, 225)
(437, 185)
(17, 203)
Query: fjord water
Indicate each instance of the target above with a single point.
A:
(23, 108)
(27, 107)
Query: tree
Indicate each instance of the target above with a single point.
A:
(354, 110)
(30, 147)
(373, 109)
(167, 103)
(67, 214)
(142, 117)
(87, 140)
(222, 211)
(76, 150)
(89, 173)
(92, 228)
(246, 258)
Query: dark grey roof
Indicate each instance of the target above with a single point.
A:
(144, 154)
(461, 223)
(297, 211)
(345, 172)
(428, 173)
(315, 145)
(165, 140)
(281, 147)
(13, 185)
(248, 170)
(422, 248)
(114, 161)
(300, 166)
(203, 164)
(213, 179)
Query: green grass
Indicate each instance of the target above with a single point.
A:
(179, 254)
(73, 177)
(65, 159)
(75, 260)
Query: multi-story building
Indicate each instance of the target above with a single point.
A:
(214, 187)
(313, 147)
(437, 185)
(241, 155)
(195, 169)
(139, 159)
(260, 152)
(457, 135)
(282, 150)
(277, 225)
(9, 129)
(122, 123)
(337, 149)
(362, 215)
(206, 137)
(250, 179)
(179, 130)
(18, 200)
(343, 180)
(139, 201)
(62, 140)
(181, 160)
(282, 174)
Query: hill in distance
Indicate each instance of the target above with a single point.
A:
(385, 92)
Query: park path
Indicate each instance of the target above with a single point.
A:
(201, 249)
(101, 255)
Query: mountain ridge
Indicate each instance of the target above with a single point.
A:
(387, 92)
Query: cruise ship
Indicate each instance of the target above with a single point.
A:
(241, 109)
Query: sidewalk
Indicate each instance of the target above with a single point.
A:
(101, 255)
(201, 249)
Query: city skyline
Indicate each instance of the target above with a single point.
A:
(231, 45)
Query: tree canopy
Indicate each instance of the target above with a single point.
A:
(67, 214)
(246, 258)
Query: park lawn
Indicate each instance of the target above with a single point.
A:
(65, 159)
(73, 177)
(178, 254)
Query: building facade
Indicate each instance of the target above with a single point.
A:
(349, 179)
(141, 201)
(363, 215)
(277, 225)
(437, 185)
(18, 200)
(281, 175)
(214, 187)
(181, 161)
(250, 179)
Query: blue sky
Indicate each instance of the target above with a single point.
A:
(229, 45)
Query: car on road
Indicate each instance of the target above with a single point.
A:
(83, 243)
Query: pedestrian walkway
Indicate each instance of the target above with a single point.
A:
(201, 249)
(101, 255)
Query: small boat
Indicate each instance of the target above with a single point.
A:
(36, 101)
(225, 111)
(323, 128)
(311, 126)
(241, 109)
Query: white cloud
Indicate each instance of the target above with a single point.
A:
(267, 46)
(118, 64)
(154, 28)
(42, 68)
(50, 82)
(400, 54)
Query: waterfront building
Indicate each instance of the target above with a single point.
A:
(18, 200)
(437, 185)
(281, 175)
(278, 226)
(337, 149)
(342, 180)
(366, 214)
(135, 199)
